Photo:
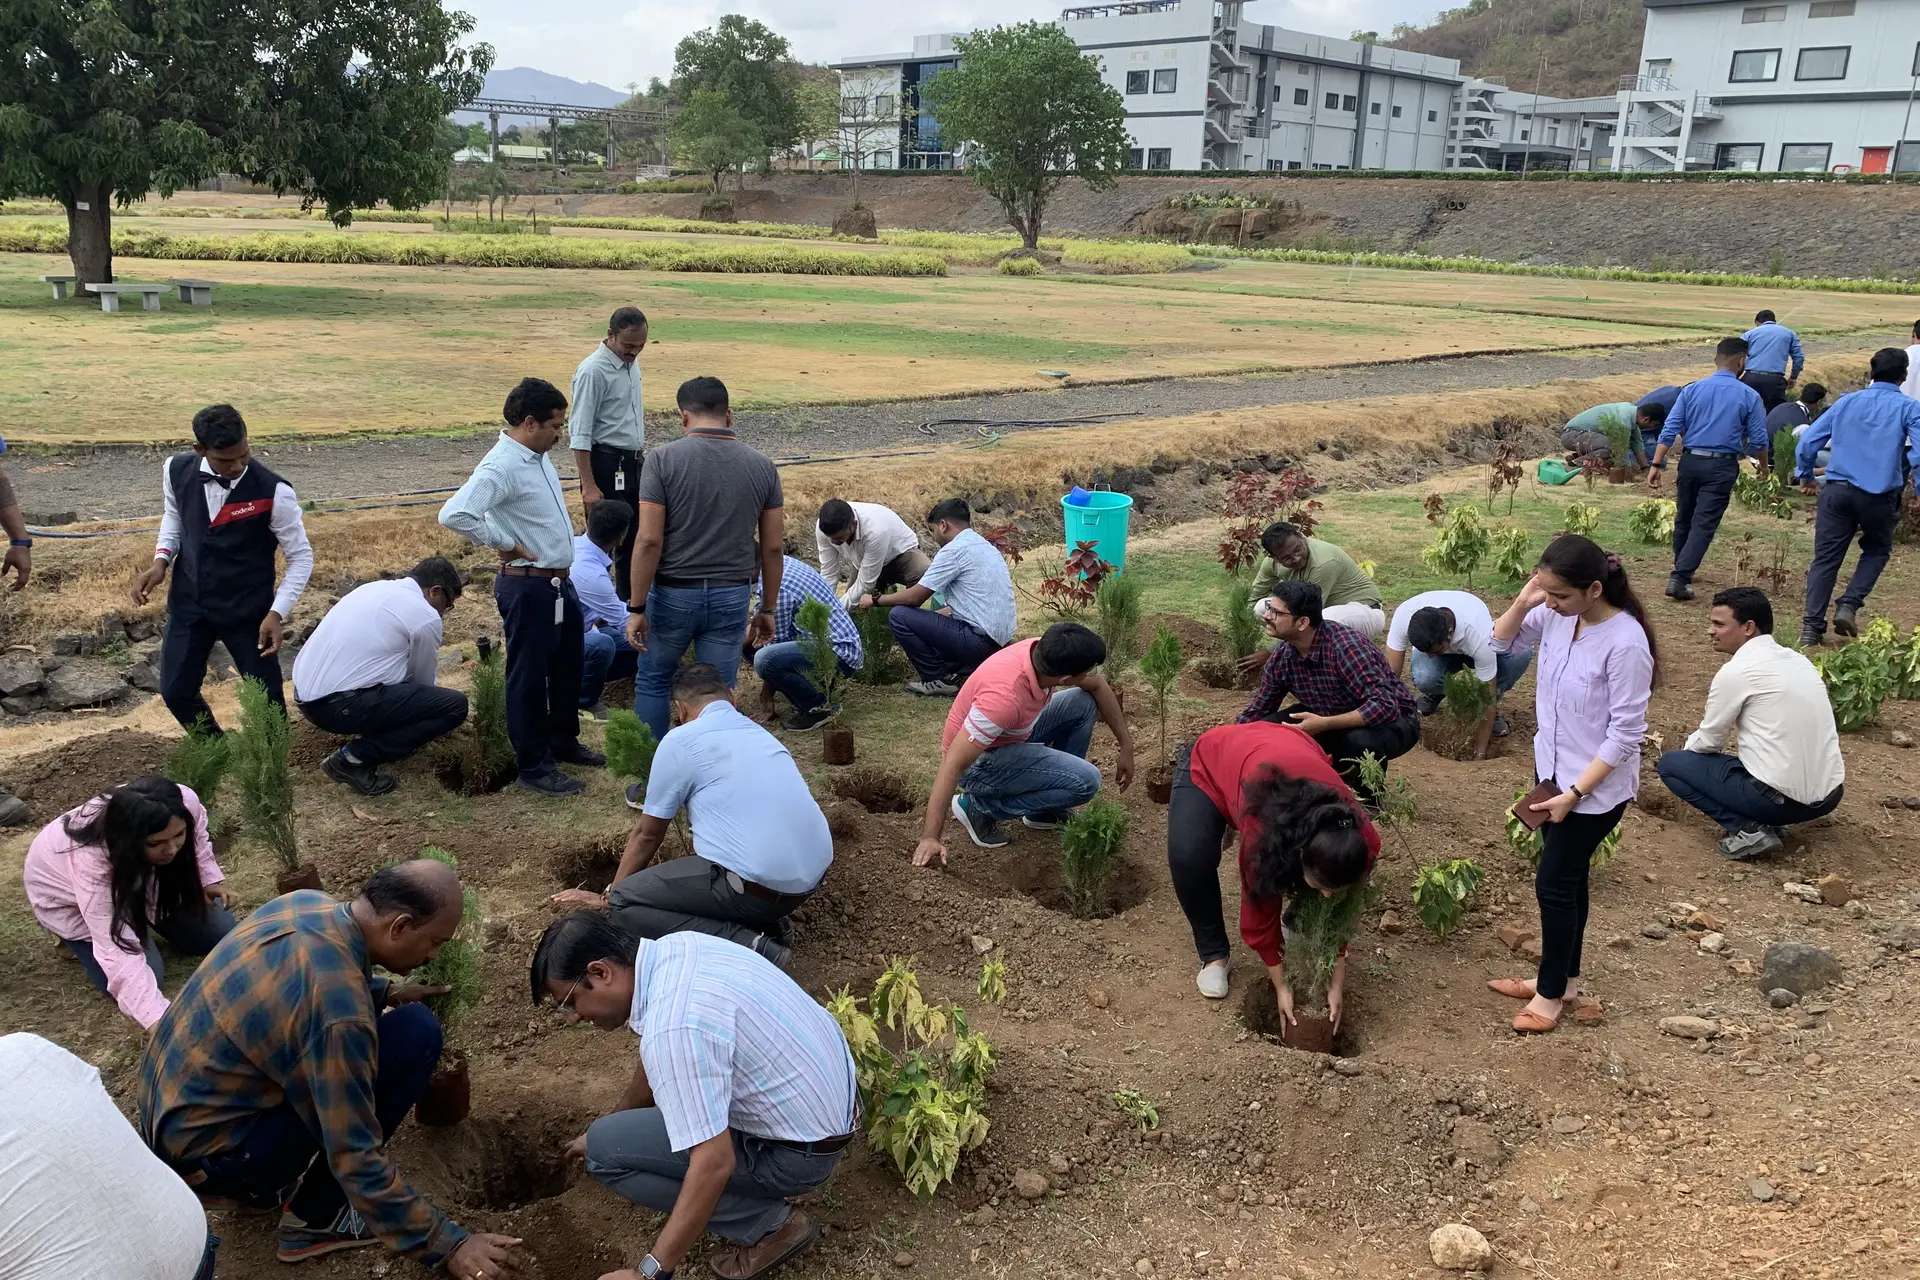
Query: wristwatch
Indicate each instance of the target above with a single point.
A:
(650, 1269)
(637, 608)
(20, 542)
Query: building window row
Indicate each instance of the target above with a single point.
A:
(1795, 157)
(1150, 158)
(1759, 66)
(1165, 80)
(1755, 13)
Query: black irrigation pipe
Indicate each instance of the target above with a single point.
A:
(983, 425)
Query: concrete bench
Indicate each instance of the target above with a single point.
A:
(197, 292)
(109, 295)
(60, 285)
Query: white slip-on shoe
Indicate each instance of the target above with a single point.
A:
(1212, 981)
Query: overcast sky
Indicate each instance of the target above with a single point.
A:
(618, 42)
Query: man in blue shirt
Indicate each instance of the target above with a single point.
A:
(970, 575)
(786, 666)
(1715, 420)
(1774, 359)
(1664, 398)
(605, 653)
(1875, 441)
(608, 427)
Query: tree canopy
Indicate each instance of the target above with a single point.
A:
(751, 68)
(1029, 108)
(338, 101)
(711, 135)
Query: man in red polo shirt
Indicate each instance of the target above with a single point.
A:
(1016, 740)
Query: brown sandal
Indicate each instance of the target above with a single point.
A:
(1527, 1022)
(1515, 988)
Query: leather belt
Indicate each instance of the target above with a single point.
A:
(740, 884)
(824, 1147)
(534, 571)
(1712, 453)
(669, 580)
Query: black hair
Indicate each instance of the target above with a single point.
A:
(121, 824)
(1580, 562)
(438, 571)
(1813, 393)
(1889, 364)
(401, 890)
(608, 522)
(1748, 604)
(1069, 649)
(1730, 347)
(698, 680)
(219, 426)
(627, 318)
(1429, 628)
(1277, 535)
(1764, 317)
(534, 398)
(1301, 597)
(1655, 414)
(1916, 328)
(575, 941)
(1303, 826)
(836, 516)
(704, 396)
(954, 509)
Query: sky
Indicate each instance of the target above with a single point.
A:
(622, 42)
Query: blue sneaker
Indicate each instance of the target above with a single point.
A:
(300, 1240)
(983, 831)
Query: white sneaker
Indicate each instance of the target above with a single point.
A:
(1212, 981)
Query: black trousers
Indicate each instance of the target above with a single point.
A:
(389, 722)
(1701, 490)
(1771, 386)
(1843, 512)
(616, 473)
(1388, 741)
(1560, 887)
(1195, 833)
(541, 617)
(183, 663)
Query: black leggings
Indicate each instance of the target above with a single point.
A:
(1195, 831)
(1560, 886)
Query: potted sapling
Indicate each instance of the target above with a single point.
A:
(1160, 667)
(259, 753)
(199, 763)
(813, 620)
(1318, 930)
(1466, 706)
(449, 1092)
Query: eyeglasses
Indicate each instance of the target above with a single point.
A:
(565, 1004)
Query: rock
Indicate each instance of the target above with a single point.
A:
(24, 704)
(1804, 892)
(19, 675)
(1781, 998)
(1143, 1267)
(1799, 967)
(1098, 998)
(1348, 1067)
(1688, 1027)
(857, 221)
(1059, 1163)
(1760, 1189)
(145, 628)
(83, 685)
(1900, 738)
(1857, 909)
(1390, 922)
(1530, 948)
(980, 944)
(68, 645)
(1568, 1124)
(1477, 1141)
(903, 1260)
(1458, 1247)
(144, 676)
(984, 1216)
(1527, 1205)
(1834, 890)
(1512, 935)
(1029, 1185)
(1713, 943)
(1658, 932)
(1904, 936)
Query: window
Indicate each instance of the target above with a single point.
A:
(882, 106)
(1136, 82)
(1830, 9)
(1805, 157)
(1524, 134)
(1744, 156)
(1159, 157)
(1166, 79)
(1293, 164)
(1822, 64)
(1136, 158)
(1333, 99)
(1750, 65)
(1764, 13)
(1434, 116)
(1374, 110)
(1300, 97)
(1396, 113)
(1349, 103)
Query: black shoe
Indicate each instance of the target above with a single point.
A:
(804, 721)
(13, 810)
(1844, 621)
(367, 779)
(1811, 637)
(573, 753)
(1052, 820)
(1428, 704)
(555, 784)
(1678, 588)
(779, 954)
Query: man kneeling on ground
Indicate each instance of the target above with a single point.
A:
(1789, 768)
(744, 1097)
(1448, 631)
(369, 669)
(276, 1052)
(1347, 595)
(760, 843)
(1016, 740)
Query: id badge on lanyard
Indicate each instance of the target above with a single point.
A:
(559, 603)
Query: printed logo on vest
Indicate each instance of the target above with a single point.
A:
(234, 511)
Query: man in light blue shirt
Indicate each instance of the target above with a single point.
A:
(760, 842)
(1715, 420)
(1771, 348)
(605, 652)
(1875, 441)
(513, 503)
(786, 665)
(608, 426)
(971, 577)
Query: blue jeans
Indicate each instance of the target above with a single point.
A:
(605, 655)
(1429, 675)
(189, 935)
(787, 668)
(1719, 786)
(712, 620)
(1047, 773)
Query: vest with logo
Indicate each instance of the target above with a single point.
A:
(224, 572)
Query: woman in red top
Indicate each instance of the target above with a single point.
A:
(1299, 829)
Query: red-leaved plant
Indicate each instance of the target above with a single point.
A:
(1256, 499)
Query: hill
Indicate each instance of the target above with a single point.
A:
(529, 84)
(1587, 44)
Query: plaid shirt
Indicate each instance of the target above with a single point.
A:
(1342, 672)
(283, 1011)
(799, 583)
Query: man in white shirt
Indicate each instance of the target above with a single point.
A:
(869, 544)
(1789, 768)
(222, 518)
(1447, 631)
(369, 670)
(606, 654)
(1911, 387)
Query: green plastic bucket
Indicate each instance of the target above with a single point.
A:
(1102, 521)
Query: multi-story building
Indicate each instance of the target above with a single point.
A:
(1803, 86)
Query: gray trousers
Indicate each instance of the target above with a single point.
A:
(628, 1152)
(692, 895)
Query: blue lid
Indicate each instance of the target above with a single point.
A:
(1078, 497)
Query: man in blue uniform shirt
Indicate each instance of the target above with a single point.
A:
(1774, 359)
(1714, 420)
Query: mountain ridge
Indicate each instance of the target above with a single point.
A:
(1569, 48)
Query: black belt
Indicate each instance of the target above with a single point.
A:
(616, 450)
(824, 1147)
(1712, 453)
(670, 580)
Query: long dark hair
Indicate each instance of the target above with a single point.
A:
(1304, 825)
(122, 825)
(1580, 562)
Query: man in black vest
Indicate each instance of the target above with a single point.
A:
(223, 515)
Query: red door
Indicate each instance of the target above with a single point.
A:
(1875, 159)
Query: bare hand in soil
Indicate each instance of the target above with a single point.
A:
(577, 1149)
(1254, 661)
(1284, 994)
(409, 992)
(144, 583)
(578, 898)
(928, 852)
(760, 630)
(270, 633)
(1123, 770)
(1336, 1001)
(483, 1256)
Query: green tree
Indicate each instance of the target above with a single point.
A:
(752, 69)
(337, 101)
(819, 101)
(712, 136)
(1029, 109)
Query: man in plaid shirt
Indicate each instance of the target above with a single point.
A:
(785, 666)
(1344, 693)
(277, 1051)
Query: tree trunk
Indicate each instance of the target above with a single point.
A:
(90, 235)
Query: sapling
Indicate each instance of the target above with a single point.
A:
(1465, 703)
(1160, 667)
(1582, 518)
(630, 745)
(993, 980)
(1858, 678)
(1513, 556)
(884, 664)
(1117, 610)
(492, 747)
(260, 752)
(1903, 666)
(1442, 890)
(1394, 801)
(200, 762)
(1090, 848)
(813, 621)
(1238, 623)
(1463, 541)
(1320, 927)
(1652, 521)
(1138, 1108)
(457, 965)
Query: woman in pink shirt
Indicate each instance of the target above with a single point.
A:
(107, 876)
(1596, 665)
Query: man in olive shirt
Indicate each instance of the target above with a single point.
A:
(1350, 597)
(607, 428)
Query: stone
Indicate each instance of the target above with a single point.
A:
(1760, 1189)
(1658, 932)
(1804, 892)
(1059, 1163)
(1900, 738)
(1477, 1141)
(1904, 936)
(1857, 909)
(1707, 921)
(83, 685)
(1531, 949)
(980, 944)
(1512, 935)
(1143, 1267)
(1098, 998)
(984, 1216)
(1390, 922)
(24, 704)
(1713, 943)
(857, 221)
(1348, 1067)
(1029, 1185)
(1688, 1027)
(20, 675)
(903, 1260)
(1799, 967)
(1527, 1205)
(68, 645)
(1458, 1247)
(1834, 890)
(144, 676)
(1568, 1124)
(1781, 998)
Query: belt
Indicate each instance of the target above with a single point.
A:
(1712, 453)
(740, 884)
(534, 571)
(669, 580)
(616, 450)
(824, 1147)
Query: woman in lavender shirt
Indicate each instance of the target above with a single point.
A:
(1596, 665)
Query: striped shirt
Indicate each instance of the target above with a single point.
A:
(730, 1042)
(1000, 702)
(799, 583)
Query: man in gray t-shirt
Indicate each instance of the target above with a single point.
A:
(710, 525)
